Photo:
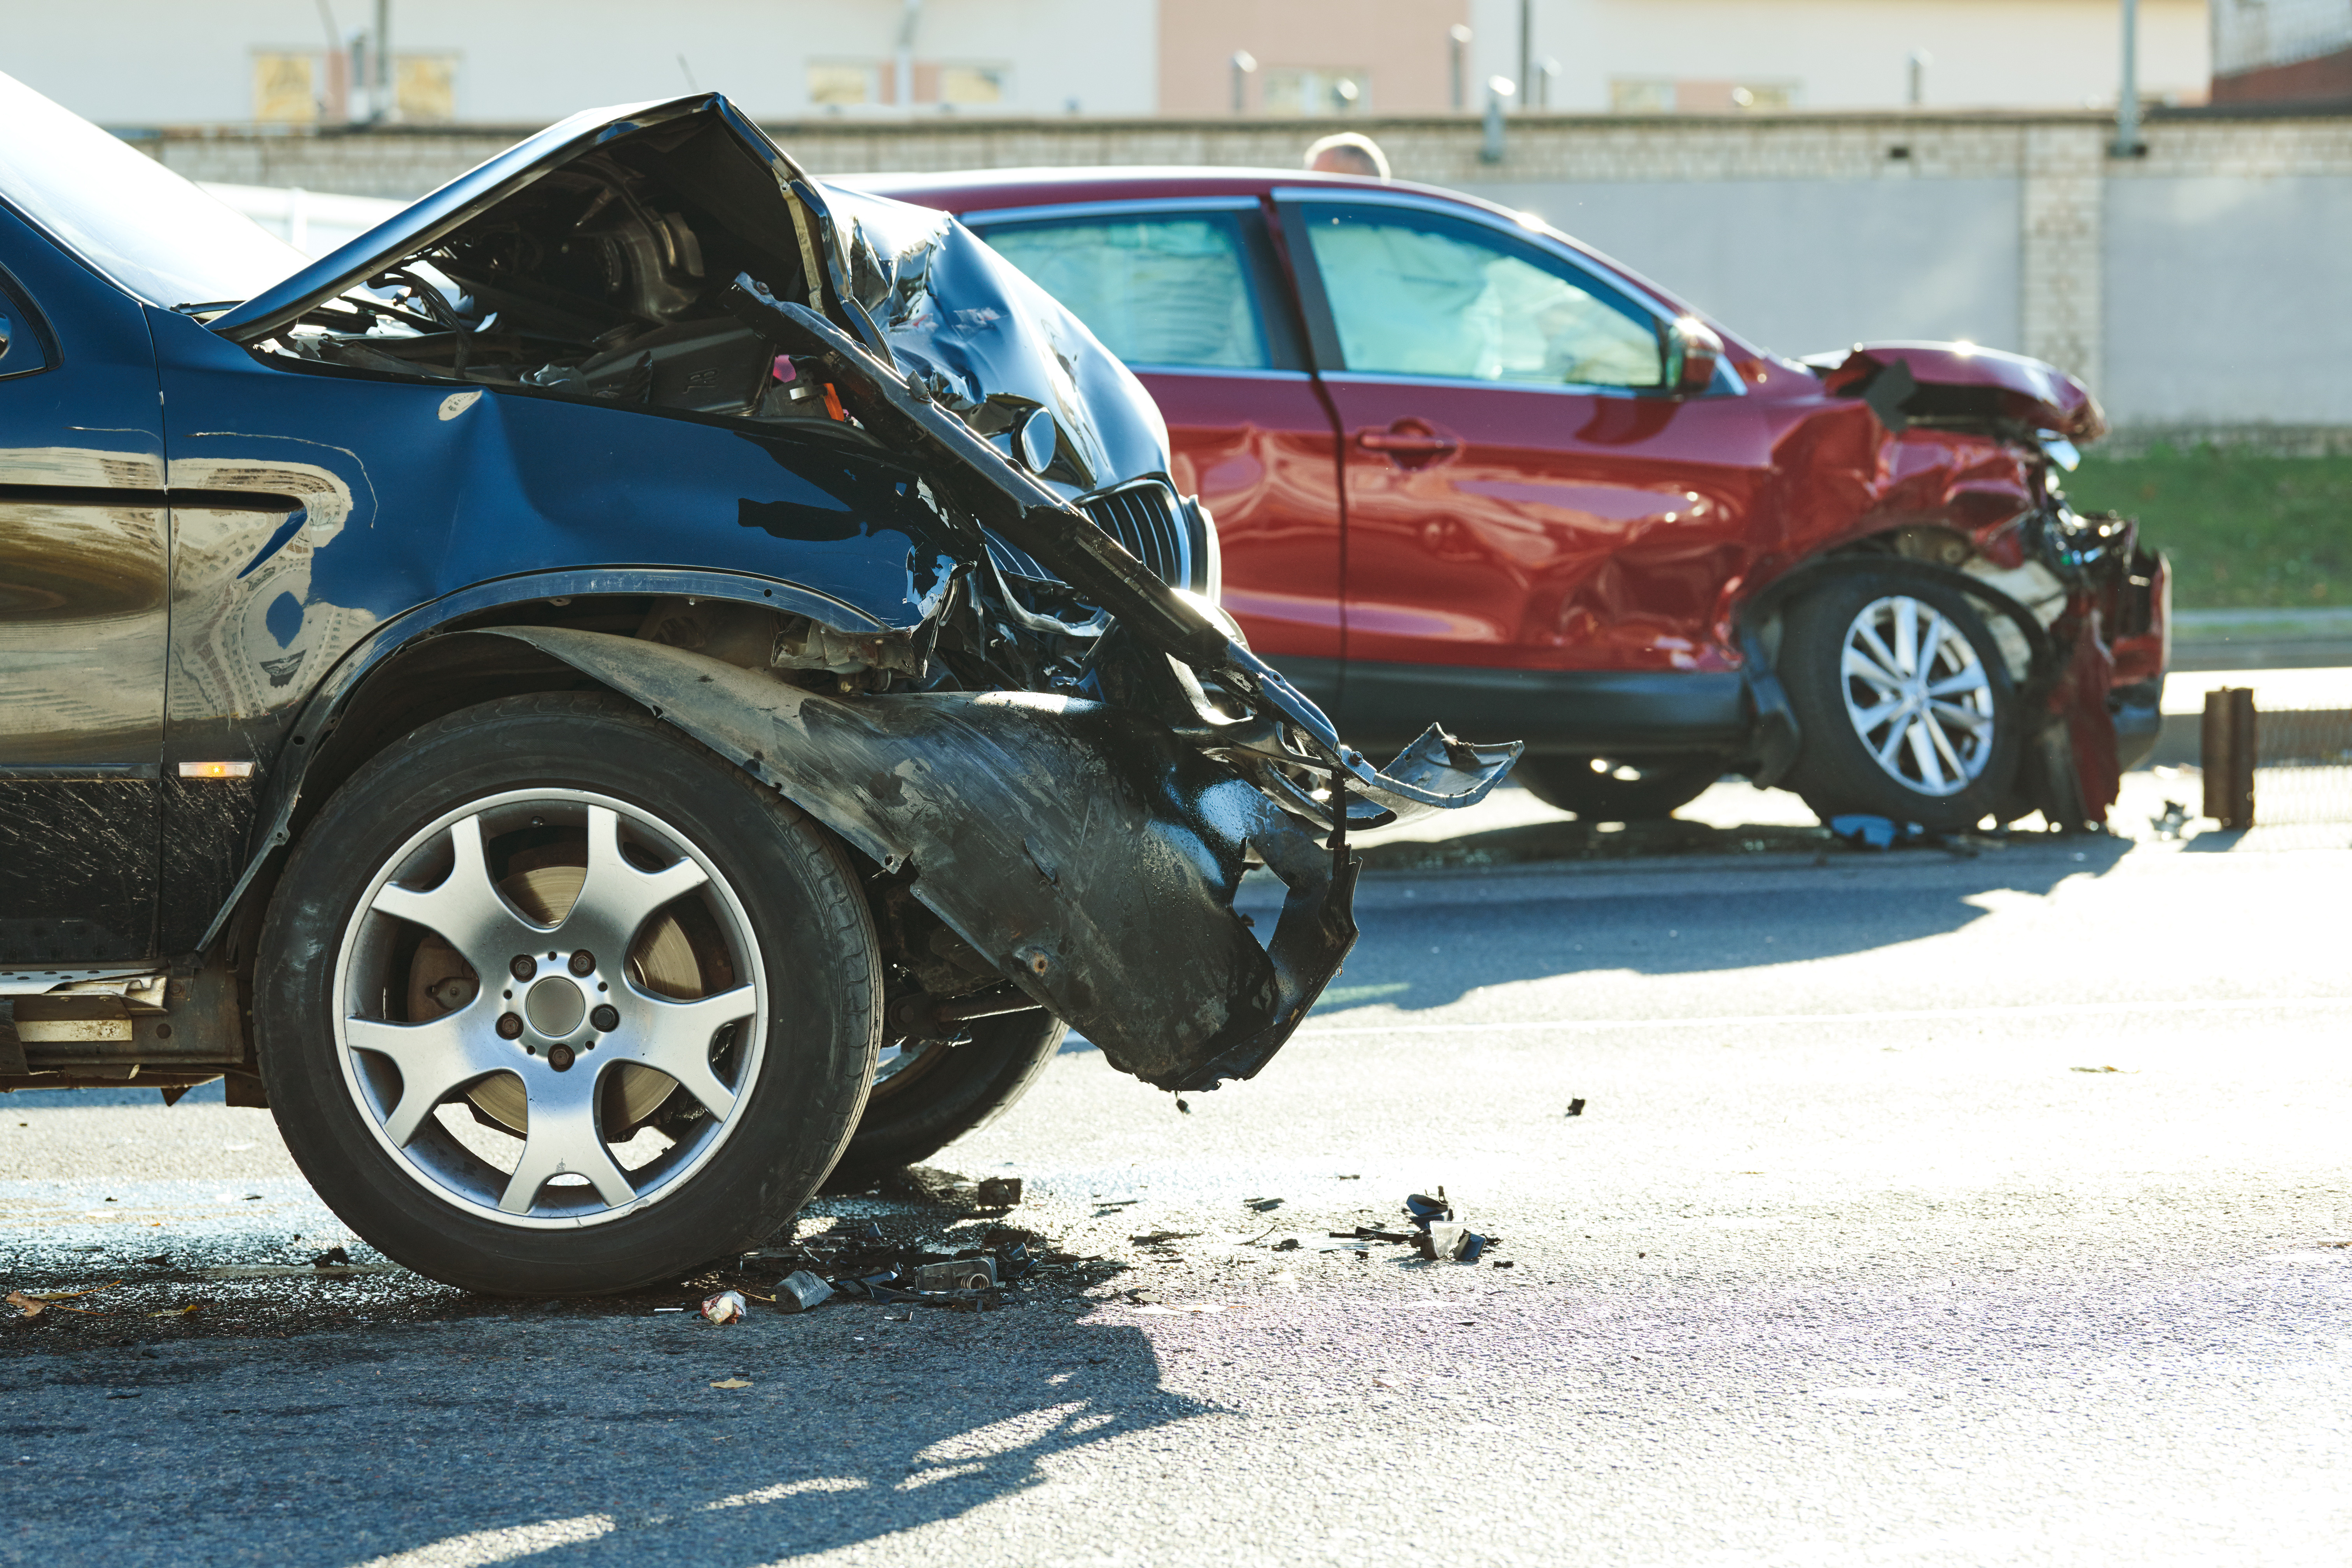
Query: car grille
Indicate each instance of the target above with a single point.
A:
(1144, 516)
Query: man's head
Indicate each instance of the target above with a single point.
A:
(1348, 153)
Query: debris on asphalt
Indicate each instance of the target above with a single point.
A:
(1287, 1244)
(2171, 824)
(958, 1274)
(1877, 832)
(1502, 1263)
(32, 1304)
(727, 1307)
(1424, 1209)
(2103, 1069)
(1263, 1205)
(999, 1193)
(333, 1258)
(1184, 1107)
(660, 1310)
(733, 1383)
(178, 1311)
(1576, 1108)
(801, 1291)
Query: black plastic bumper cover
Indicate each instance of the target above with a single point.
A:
(1085, 850)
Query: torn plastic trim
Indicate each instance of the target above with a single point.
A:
(1087, 851)
(1442, 775)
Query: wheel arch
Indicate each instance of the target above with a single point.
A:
(445, 655)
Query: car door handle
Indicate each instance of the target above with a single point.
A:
(1405, 441)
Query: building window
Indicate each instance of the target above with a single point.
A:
(285, 88)
(1651, 95)
(424, 87)
(837, 84)
(1315, 89)
(976, 85)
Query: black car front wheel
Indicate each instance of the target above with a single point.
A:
(552, 1000)
(1904, 703)
(929, 1094)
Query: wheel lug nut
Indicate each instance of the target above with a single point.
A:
(584, 962)
(560, 1057)
(509, 1025)
(524, 967)
(606, 1018)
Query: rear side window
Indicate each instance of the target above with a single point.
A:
(21, 351)
(1173, 290)
(1419, 294)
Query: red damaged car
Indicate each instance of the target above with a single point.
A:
(1464, 467)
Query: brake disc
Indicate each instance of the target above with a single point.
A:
(663, 960)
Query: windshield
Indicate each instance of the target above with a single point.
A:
(153, 232)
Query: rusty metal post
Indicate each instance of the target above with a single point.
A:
(2226, 752)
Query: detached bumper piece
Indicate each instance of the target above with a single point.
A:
(1088, 853)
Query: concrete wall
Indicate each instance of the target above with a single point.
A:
(1806, 265)
(2200, 288)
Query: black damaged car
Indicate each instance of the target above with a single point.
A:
(640, 680)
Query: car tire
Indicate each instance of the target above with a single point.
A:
(1885, 729)
(1606, 789)
(941, 1091)
(660, 1073)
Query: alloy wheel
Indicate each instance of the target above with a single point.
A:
(1918, 695)
(550, 1007)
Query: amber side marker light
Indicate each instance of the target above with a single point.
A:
(216, 770)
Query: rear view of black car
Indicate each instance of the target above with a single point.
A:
(637, 681)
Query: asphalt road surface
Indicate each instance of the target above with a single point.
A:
(1924, 1210)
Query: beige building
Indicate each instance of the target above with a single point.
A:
(136, 63)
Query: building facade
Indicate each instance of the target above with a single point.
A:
(146, 63)
(2282, 51)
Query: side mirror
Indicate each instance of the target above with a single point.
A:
(1693, 351)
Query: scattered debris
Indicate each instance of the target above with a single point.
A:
(1263, 1205)
(727, 1307)
(1877, 832)
(1287, 1244)
(1143, 1298)
(1502, 1263)
(1576, 1108)
(161, 1259)
(961, 1274)
(801, 1291)
(1424, 1209)
(999, 1193)
(178, 1311)
(333, 1258)
(32, 1304)
(2127, 1071)
(1451, 1243)
(2170, 825)
(1184, 1106)
(1162, 1238)
(660, 1310)
(733, 1383)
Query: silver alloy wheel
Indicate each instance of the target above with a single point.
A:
(565, 1007)
(1918, 695)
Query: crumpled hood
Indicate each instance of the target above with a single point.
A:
(1004, 348)
(1988, 381)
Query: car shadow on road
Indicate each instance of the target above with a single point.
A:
(1428, 951)
(565, 1438)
